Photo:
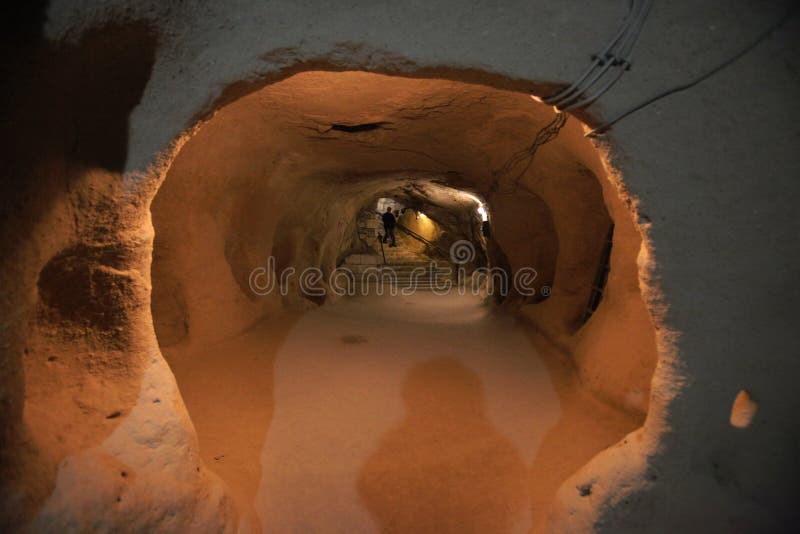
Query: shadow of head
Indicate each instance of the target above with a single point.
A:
(443, 385)
(445, 468)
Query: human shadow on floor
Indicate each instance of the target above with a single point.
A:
(445, 467)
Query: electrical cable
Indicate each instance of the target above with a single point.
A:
(598, 59)
(614, 59)
(682, 87)
(545, 135)
(591, 98)
(615, 56)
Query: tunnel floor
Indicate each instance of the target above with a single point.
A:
(392, 413)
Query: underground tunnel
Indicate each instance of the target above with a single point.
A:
(282, 388)
(353, 293)
(297, 172)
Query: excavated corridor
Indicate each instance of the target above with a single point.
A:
(425, 413)
(439, 412)
(196, 230)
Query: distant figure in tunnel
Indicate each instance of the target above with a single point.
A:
(388, 225)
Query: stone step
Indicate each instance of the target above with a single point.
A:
(408, 275)
(372, 274)
(366, 288)
(406, 267)
(403, 279)
(416, 265)
(404, 283)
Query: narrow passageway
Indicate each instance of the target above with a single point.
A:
(204, 204)
(410, 413)
(425, 413)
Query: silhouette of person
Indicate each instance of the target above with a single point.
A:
(388, 226)
(445, 468)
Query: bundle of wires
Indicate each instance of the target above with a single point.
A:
(545, 135)
(608, 66)
(686, 85)
(606, 69)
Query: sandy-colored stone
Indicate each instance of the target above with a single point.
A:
(701, 187)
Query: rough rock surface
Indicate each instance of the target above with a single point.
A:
(100, 95)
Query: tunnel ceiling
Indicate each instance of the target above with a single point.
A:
(283, 171)
(361, 123)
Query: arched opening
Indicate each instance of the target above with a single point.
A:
(282, 174)
(98, 99)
